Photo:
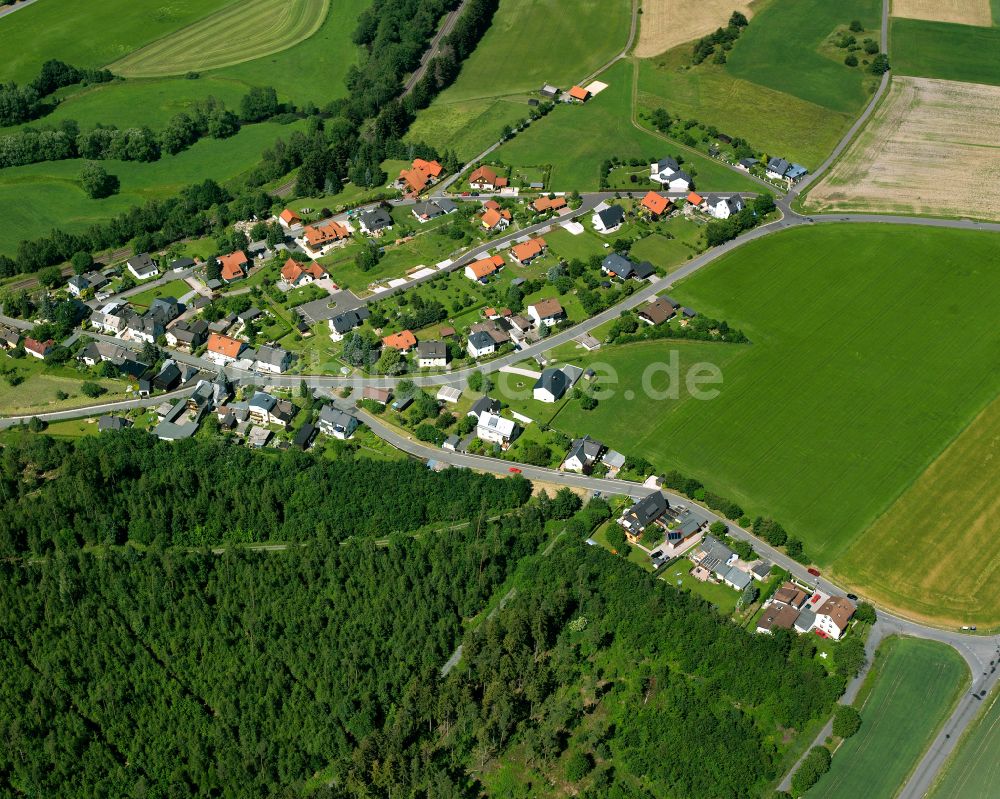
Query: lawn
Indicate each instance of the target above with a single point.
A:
(974, 769)
(40, 196)
(915, 537)
(722, 596)
(175, 289)
(575, 139)
(916, 686)
(840, 402)
(942, 50)
(467, 126)
(771, 120)
(781, 50)
(662, 252)
(234, 34)
(41, 382)
(89, 34)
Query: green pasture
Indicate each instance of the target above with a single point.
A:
(41, 381)
(667, 254)
(942, 50)
(467, 126)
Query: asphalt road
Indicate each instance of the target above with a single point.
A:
(94, 410)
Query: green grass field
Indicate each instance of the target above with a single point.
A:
(41, 382)
(771, 120)
(492, 89)
(942, 50)
(781, 50)
(916, 686)
(89, 34)
(662, 252)
(41, 196)
(575, 139)
(175, 289)
(974, 769)
(234, 34)
(841, 401)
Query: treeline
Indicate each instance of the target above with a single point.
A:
(723, 38)
(20, 104)
(209, 117)
(130, 487)
(627, 329)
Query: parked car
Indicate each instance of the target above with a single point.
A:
(853, 597)
(813, 572)
(515, 470)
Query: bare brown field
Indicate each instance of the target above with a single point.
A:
(943, 534)
(667, 23)
(930, 148)
(962, 12)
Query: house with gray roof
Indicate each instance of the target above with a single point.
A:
(736, 578)
(337, 423)
(374, 221)
(550, 386)
(643, 513)
(484, 405)
(583, 454)
(273, 359)
(142, 266)
(481, 343)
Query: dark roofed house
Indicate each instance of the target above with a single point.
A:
(168, 377)
(583, 454)
(110, 423)
(643, 513)
(657, 312)
(304, 436)
(375, 220)
(777, 168)
(609, 219)
(181, 264)
(551, 385)
(484, 405)
(432, 353)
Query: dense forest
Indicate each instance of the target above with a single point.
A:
(170, 671)
(131, 487)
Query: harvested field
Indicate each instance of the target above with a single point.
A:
(961, 12)
(929, 149)
(668, 23)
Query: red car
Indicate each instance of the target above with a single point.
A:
(813, 572)
(515, 470)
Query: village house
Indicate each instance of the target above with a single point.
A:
(289, 219)
(431, 354)
(723, 207)
(375, 221)
(233, 266)
(547, 312)
(608, 220)
(714, 557)
(480, 343)
(656, 204)
(419, 176)
(668, 173)
(187, 335)
(494, 429)
(9, 337)
(527, 251)
(404, 341)
(550, 386)
(344, 323)
(485, 179)
(77, 284)
(578, 94)
(694, 199)
(337, 423)
(318, 240)
(583, 454)
(484, 405)
(432, 209)
(99, 351)
(222, 350)
(616, 265)
(658, 311)
(482, 269)
(777, 617)
(38, 349)
(545, 204)
(142, 266)
(376, 394)
(495, 217)
(833, 616)
(296, 274)
(746, 164)
(273, 359)
(645, 512)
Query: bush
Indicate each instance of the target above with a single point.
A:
(851, 60)
(856, 26)
(865, 613)
(814, 766)
(578, 766)
(880, 64)
(846, 722)
(93, 390)
(96, 181)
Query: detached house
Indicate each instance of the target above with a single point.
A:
(337, 423)
(404, 341)
(233, 266)
(375, 221)
(481, 343)
(642, 514)
(485, 179)
(618, 266)
(432, 353)
(656, 204)
(723, 207)
(546, 312)
(583, 454)
(142, 266)
(344, 323)
(550, 386)
(777, 168)
(495, 217)
(419, 176)
(482, 269)
(497, 430)
(609, 219)
(668, 173)
(289, 219)
(658, 311)
(295, 274)
(317, 240)
(38, 349)
(273, 359)
(833, 616)
(527, 251)
(187, 335)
